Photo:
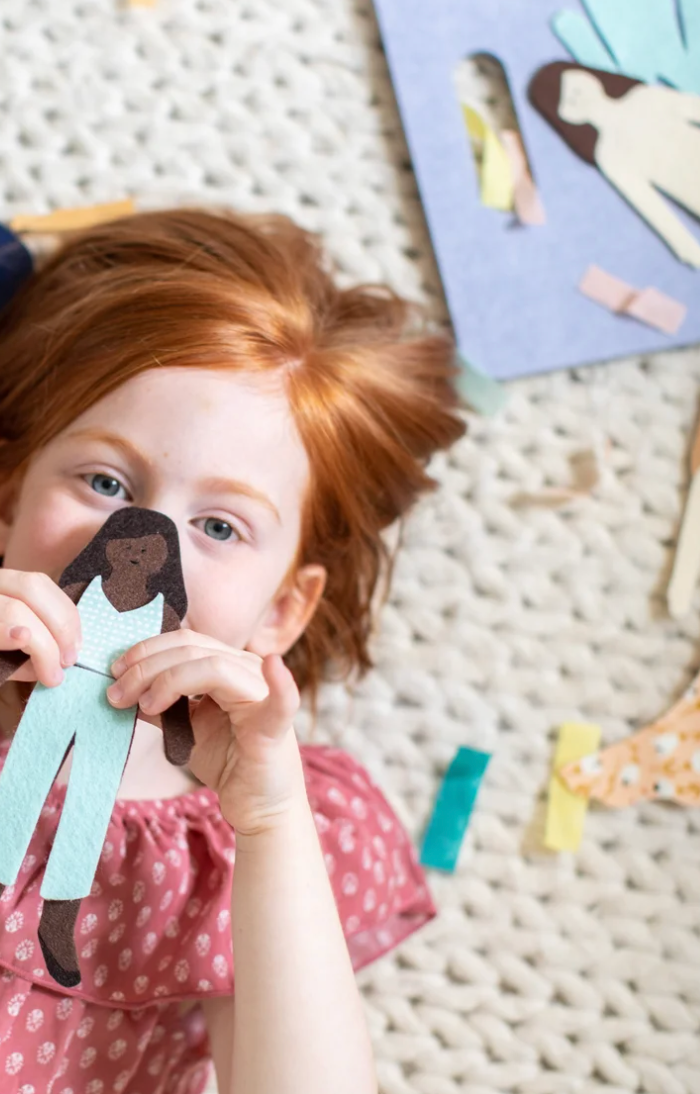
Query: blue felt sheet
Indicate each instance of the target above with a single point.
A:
(511, 290)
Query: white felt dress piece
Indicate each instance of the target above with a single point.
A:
(77, 711)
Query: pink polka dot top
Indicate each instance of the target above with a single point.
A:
(154, 934)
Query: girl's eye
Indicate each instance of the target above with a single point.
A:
(219, 529)
(111, 484)
(215, 528)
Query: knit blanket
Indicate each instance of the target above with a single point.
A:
(543, 973)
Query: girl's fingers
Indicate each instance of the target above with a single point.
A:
(21, 630)
(279, 709)
(156, 683)
(273, 691)
(51, 613)
(174, 640)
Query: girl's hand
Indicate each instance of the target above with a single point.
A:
(245, 747)
(38, 618)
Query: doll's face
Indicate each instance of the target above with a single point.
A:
(581, 92)
(142, 554)
(217, 452)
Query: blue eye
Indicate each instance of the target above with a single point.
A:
(105, 479)
(220, 525)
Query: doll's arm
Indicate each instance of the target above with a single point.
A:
(178, 737)
(691, 107)
(657, 212)
(76, 590)
(10, 661)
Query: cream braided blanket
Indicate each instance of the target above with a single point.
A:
(543, 974)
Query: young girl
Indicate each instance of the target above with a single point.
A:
(207, 366)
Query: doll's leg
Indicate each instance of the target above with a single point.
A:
(56, 930)
(38, 748)
(102, 740)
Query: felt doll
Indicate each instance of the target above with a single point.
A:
(645, 140)
(128, 586)
(660, 761)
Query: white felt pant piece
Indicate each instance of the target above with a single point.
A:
(77, 707)
(542, 974)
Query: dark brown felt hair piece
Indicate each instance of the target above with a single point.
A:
(544, 92)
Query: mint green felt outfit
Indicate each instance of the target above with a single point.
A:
(78, 707)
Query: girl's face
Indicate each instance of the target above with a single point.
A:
(217, 452)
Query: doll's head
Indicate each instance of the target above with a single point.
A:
(221, 344)
(569, 95)
(138, 550)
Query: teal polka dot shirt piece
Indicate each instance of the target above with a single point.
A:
(107, 633)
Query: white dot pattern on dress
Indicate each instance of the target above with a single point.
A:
(107, 632)
(156, 929)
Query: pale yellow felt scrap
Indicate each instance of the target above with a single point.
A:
(497, 190)
(492, 161)
(526, 200)
(566, 811)
(68, 220)
(476, 126)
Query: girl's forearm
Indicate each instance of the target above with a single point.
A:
(299, 1024)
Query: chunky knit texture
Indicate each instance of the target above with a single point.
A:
(542, 973)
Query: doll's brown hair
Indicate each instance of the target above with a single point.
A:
(133, 522)
(372, 401)
(544, 92)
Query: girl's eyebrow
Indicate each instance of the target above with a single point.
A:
(216, 484)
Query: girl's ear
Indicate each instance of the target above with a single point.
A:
(289, 613)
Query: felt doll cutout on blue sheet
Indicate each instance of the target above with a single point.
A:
(517, 308)
(128, 586)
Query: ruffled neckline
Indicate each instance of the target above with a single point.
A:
(180, 804)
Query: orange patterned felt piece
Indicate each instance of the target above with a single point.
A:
(660, 761)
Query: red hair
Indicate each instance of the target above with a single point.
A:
(372, 400)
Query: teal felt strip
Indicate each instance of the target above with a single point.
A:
(443, 837)
(481, 392)
(578, 36)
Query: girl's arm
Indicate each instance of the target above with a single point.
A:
(298, 1026)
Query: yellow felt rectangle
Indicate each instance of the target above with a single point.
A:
(476, 127)
(496, 182)
(66, 220)
(566, 811)
(497, 189)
